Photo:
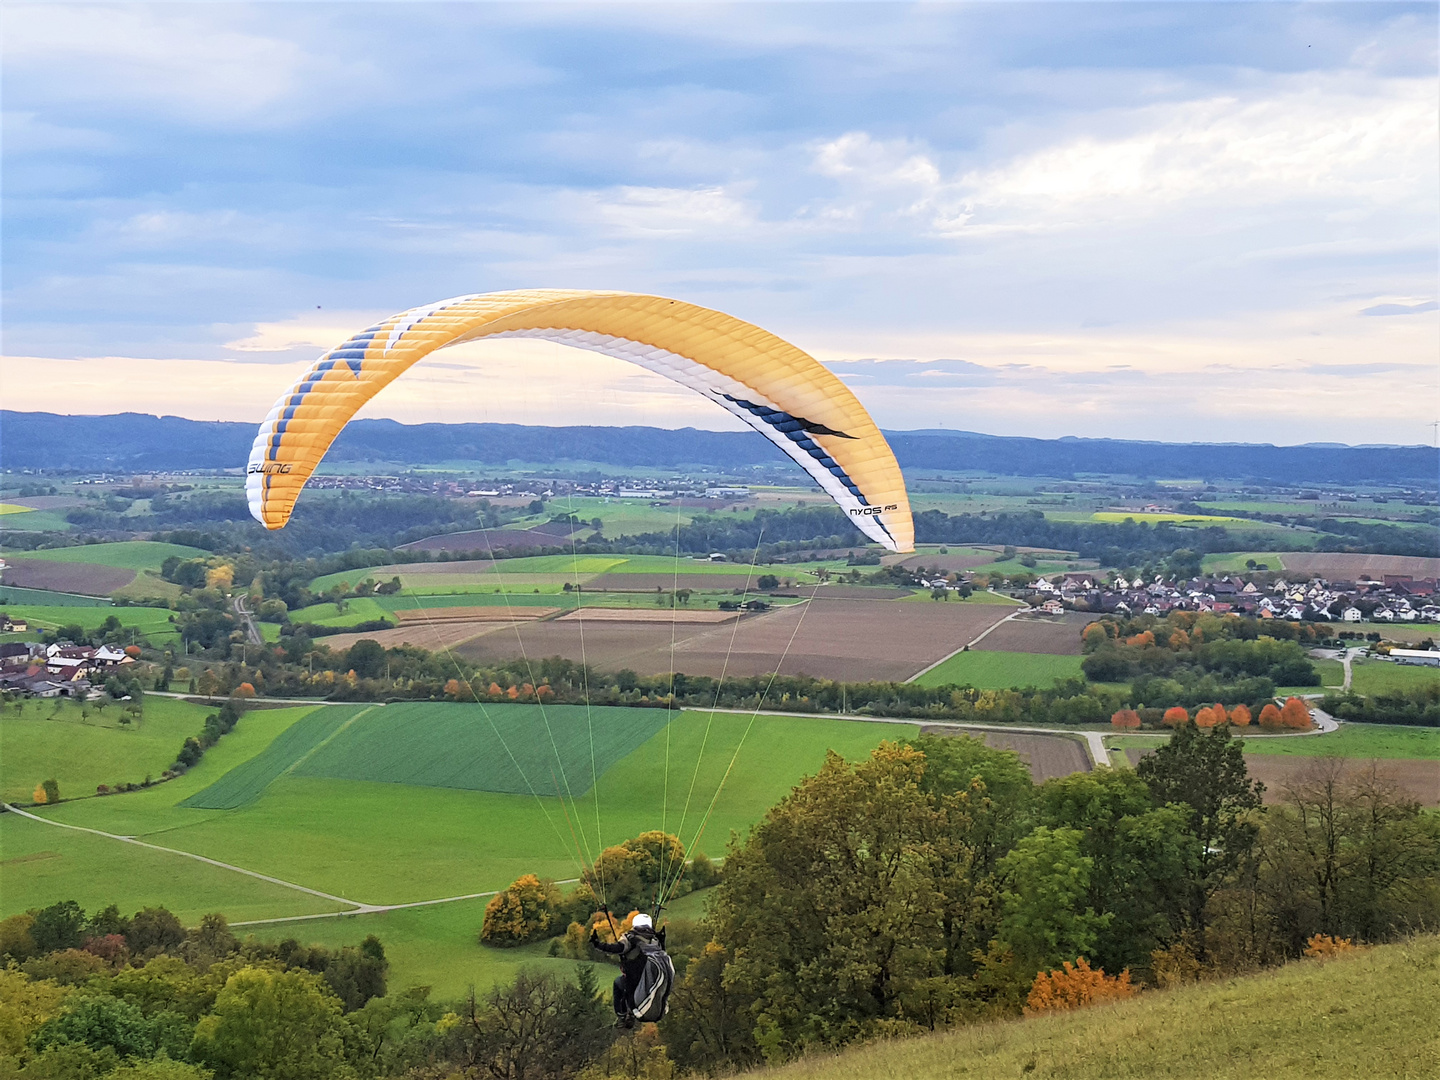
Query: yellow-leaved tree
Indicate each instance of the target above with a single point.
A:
(527, 911)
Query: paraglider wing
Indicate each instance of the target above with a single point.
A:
(782, 392)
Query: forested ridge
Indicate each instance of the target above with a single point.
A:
(140, 442)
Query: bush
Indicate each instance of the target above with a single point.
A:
(1074, 987)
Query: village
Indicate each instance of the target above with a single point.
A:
(1393, 599)
(61, 669)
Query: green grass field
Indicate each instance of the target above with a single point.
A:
(1351, 741)
(357, 610)
(1370, 1014)
(154, 623)
(434, 946)
(40, 742)
(1232, 562)
(15, 598)
(518, 749)
(246, 782)
(125, 555)
(580, 567)
(1382, 676)
(394, 843)
(1331, 672)
(1001, 670)
(37, 521)
(42, 865)
(1357, 741)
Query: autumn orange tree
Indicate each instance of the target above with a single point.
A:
(1125, 718)
(1175, 716)
(1295, 714)
(1240, 716)
(1270, 716)
(1074, 986)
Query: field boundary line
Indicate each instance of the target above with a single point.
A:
(968, 644)
(375, 909)
(325, 742)
(191, 855)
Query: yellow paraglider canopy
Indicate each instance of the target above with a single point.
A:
(782, 392)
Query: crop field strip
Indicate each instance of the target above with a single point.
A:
(245, 783)
(499, 748)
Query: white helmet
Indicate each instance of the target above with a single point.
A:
(642, 922)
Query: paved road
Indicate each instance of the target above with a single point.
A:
(247, 620)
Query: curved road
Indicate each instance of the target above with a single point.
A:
(247, 620)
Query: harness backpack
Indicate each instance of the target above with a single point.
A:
(650, 999)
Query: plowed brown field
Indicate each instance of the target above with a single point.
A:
(1345, 567)
(1048, 756)
(85, 578)
(1419, 778)
(833, 639)
(1058, 637)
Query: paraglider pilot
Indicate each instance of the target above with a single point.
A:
(632, 948)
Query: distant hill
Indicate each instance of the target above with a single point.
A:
(139, 442)
(1339, 1018)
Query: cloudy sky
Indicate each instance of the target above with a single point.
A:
(1180, 221)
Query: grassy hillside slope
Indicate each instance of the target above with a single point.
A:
(1369, 1015)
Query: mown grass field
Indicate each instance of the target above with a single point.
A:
(1360, 741)
(1001, 670)
(1370, 1014)
(154, 623)
(578, 568)
(1383, 676)
(395, 843)
(1331, 672)
(16, 598)
(42, 865)
(37, 521)
(1233, 562)
(125, 555)
(356, 610)
(39, 741)
(431, 946)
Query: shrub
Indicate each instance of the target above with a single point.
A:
(1076, 986)
(1324, 947)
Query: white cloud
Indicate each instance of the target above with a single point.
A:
(1368, 144)
(176, 60)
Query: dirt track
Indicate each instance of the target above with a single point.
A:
(84, 578)
(834, 639)
(1047, 756)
